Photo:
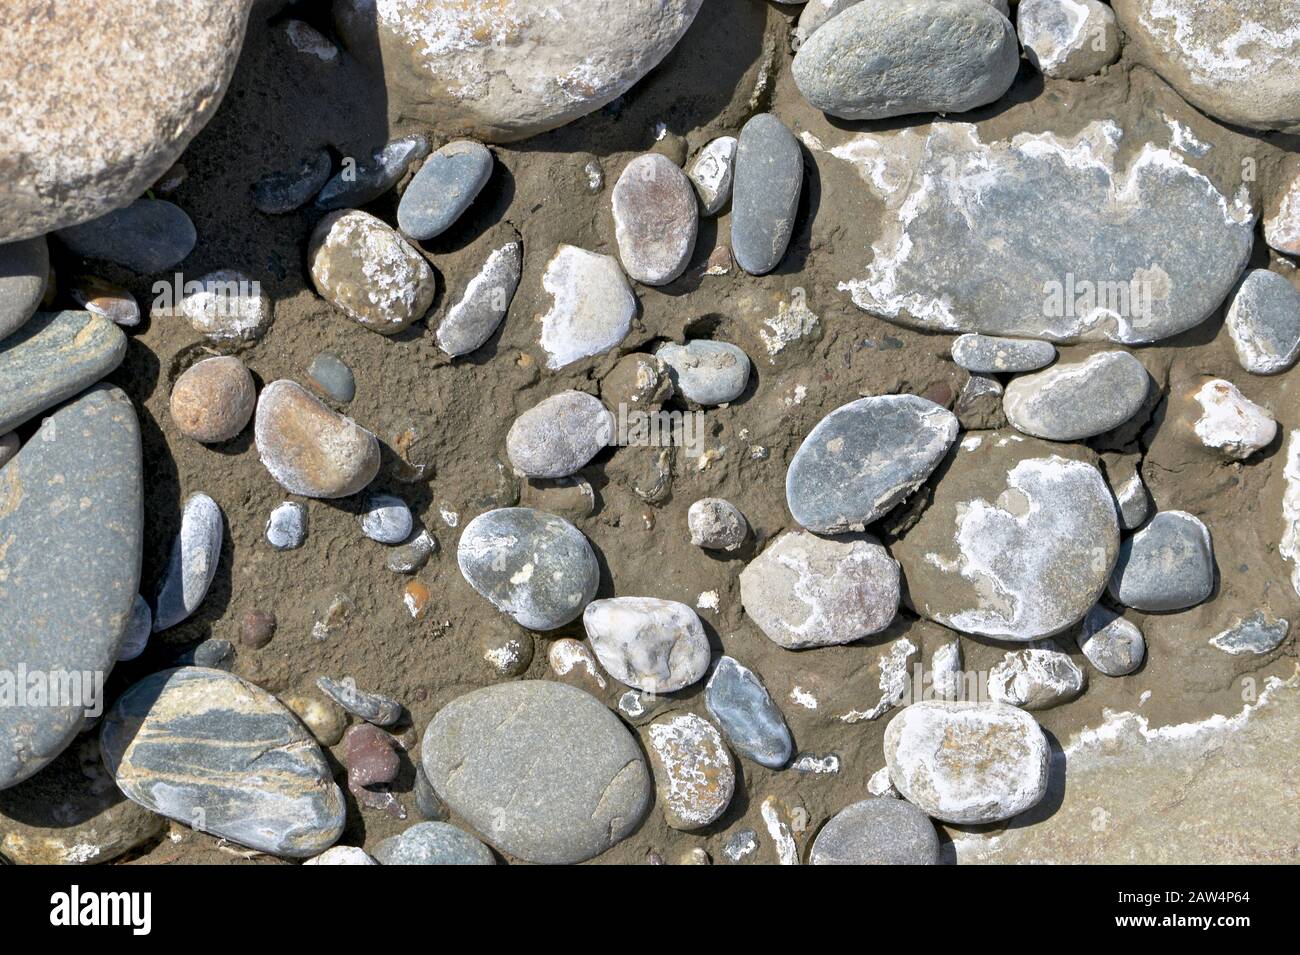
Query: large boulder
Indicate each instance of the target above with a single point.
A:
(98, 99)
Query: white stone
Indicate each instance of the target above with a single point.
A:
(1035, 679)
(1231, 423)
(711, 174)
(592, 306)
(654, 645)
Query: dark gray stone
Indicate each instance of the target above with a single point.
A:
(371, 707)
(433, 843)
(54, 356)
(68, 589)
(410, 557)
(765, 193)
(880, 831)
(1257, 634)
(149, 235)
(706, 372)
(1168, 565)
(880, 58)
(864, 458)
(195, 554)
(224, 757)
(443, 188)
(471, 321)
(1080, 400)
(24, 270)
(541, 770)
(559, 435)
(427, 802)
(1264, 322)
(745, 713)
(331, 375)
(213, 653)
(989, 355)
(281, 192)
(533, 566)
(356, 185)
(138, 630)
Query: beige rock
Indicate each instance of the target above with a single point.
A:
(213, 399)
(693, 771)
(309, 449)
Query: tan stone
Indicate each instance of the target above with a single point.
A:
(213, 400)
(309, 449)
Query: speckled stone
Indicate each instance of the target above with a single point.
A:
(1264, 322)
(656, 219)
(1035, 679)
(1258, 634)
(693, 772)
(371, 707)
(712, 172)
(1113, 645)
(592, 306)
(331, 376)
(308, 448)
(138, 630)
(716, 524)
(1079, 400)
(369, 179)
(54, 356)
(1168, 565)
(883, 831)
(765, 193)
(24, 270)
(433, 843)
(286, 528)
(541, 770)
(986, 354)
(213, 399)
(751, 722)
(533, 566)
(559, 435)
(386, 518)
(223, 756)
(225, 306)
(148, 236)
(864, 458)
(472, 319)
(651, 644)
(705, 372)
(66, 598)
(342, 855)
(195, 554)
(443, 188)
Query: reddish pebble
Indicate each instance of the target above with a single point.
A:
(369, 755)
(257, 628)
(212, 401)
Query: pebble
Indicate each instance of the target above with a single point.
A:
(1257, 634)
(411, 557)
(1035, 679)
(1282, 219)
(1134, 503)
(765, 195)
(592, 306)
(864, 458)
(24, 271)
(988, 355)
(638, 381)
(427, 802)
(1231, 423)
(309, 449)
(195, 554)
(369, 756)
(104, 299)
(814, 765)
(1113, 645)
(559, 435)
(416, 597)
(1168, 565)
(507, 654)
(693, 772)
(256, 628)
(711, 174)
(443, 188)
(361, 266)
(650, 644)
(705, 372)
(583, 781)
(280, 192)
(323, 719)
(470, 322)
(881, 785)
(224, 757)
(876, 60)
(372, 707)
(286, 528)
(138, 628)
(1068, 39)
(979, 405)
(716, 524)
(807, 591)
(226, 305)
(574, 660)
(1080, 400)
(751, 722)
(1017, 543)
(147, 236)
(433, 843)
(342, 855)
(54, 356)
(533, 566)
(741, 845)
(213, 653)
(880, 831)
(655, 219)
(357, 184)
(967, 762)
(572, 498)
(1264, 322)
(330, 375)
(213, 399)
(386, 518)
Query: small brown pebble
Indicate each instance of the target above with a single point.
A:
(416, 597)
(308, 448)
(213, 400)
(940, 393)
(369, 756)
(105, 299)
(719, 261)
(257, 628)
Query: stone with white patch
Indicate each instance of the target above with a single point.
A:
(711, 174)
(878, 831)
(1068, 39)
(716, 524)
(1264, 322)
(559, 435)
(342, 855)
(655, 219)
(1289, 544)
(987, 354)
(879, 784)
(706, 373)
(592, 306)
(1230, 423)
(751, 722)
(1035, 679)
(946, 673)
(195, 553)
(693, 771)
(1133, 503)
(574, 663)
(1282, 218)
(225, 305)
(472, 319)
(654, 645)
(1257, 634)
(806, 591)
(286, 528)
(1168, 565)
(1079, 400)
(1113, 645)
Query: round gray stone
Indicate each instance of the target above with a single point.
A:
(286, 528)
(386, 518)
(655, 219)
(1168, 565)
(1113, 645)
(882, 831)
(559, 435)
(1264, 322)
(443, 188)
(1076, 401)
(331, 375)
(745, 713)
(24, 270)
(765, 193)
(706, 372)
(149, 235)
(988, 355)
(433, 843)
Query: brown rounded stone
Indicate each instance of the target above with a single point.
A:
(257, 628)
(309, 449)
(213, 400)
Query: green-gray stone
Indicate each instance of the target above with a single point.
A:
(433, 843)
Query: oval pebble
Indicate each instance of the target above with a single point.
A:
(1264, 322)
(470, 322)
(279, 192)
(693, 772)
(706, 372)
(1080, 400)
(1168, 565)
(360, 183)
(985, 354)
(309, 449)
(559, 435)
(138, 629)
(104, 299)
(342, 855)
(443, 188)
(147, 236)
(433, 843)
(655, 219)
(882, 831)
(24, 270)
(654, 645)
(765, 193)
(716, 524)
(387, 519)
(371, 707)
(752, 723)
(225, 305)
(331, 376)
(193, 563)
(213, 399)
(1113, 645)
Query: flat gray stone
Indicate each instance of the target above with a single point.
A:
(1113, 645)
(443, 188)
(1091, 252)
(369, 179)
(149, 235)
(705, 372)
(879, 59)
(24, 270)
(559, 435)
(54, 356)
(1079, 400)
(806, 591)
(765, 193)
(655, 219)
(1257, 634)
(224, 757)
(533, 566)
(1068, 39)
(195, 553)
(433, 843)
(371, 707)
(647, 643)
(541, 770)
(864, 458)
(475, 316)
(71, 513)
(1168, 565)
(1264, 322)
(751, 722)
(986, 354)
(884, 831)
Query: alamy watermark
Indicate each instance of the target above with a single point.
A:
(640, 427)
(226, 296)
(1081, 298)
(38, 689)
